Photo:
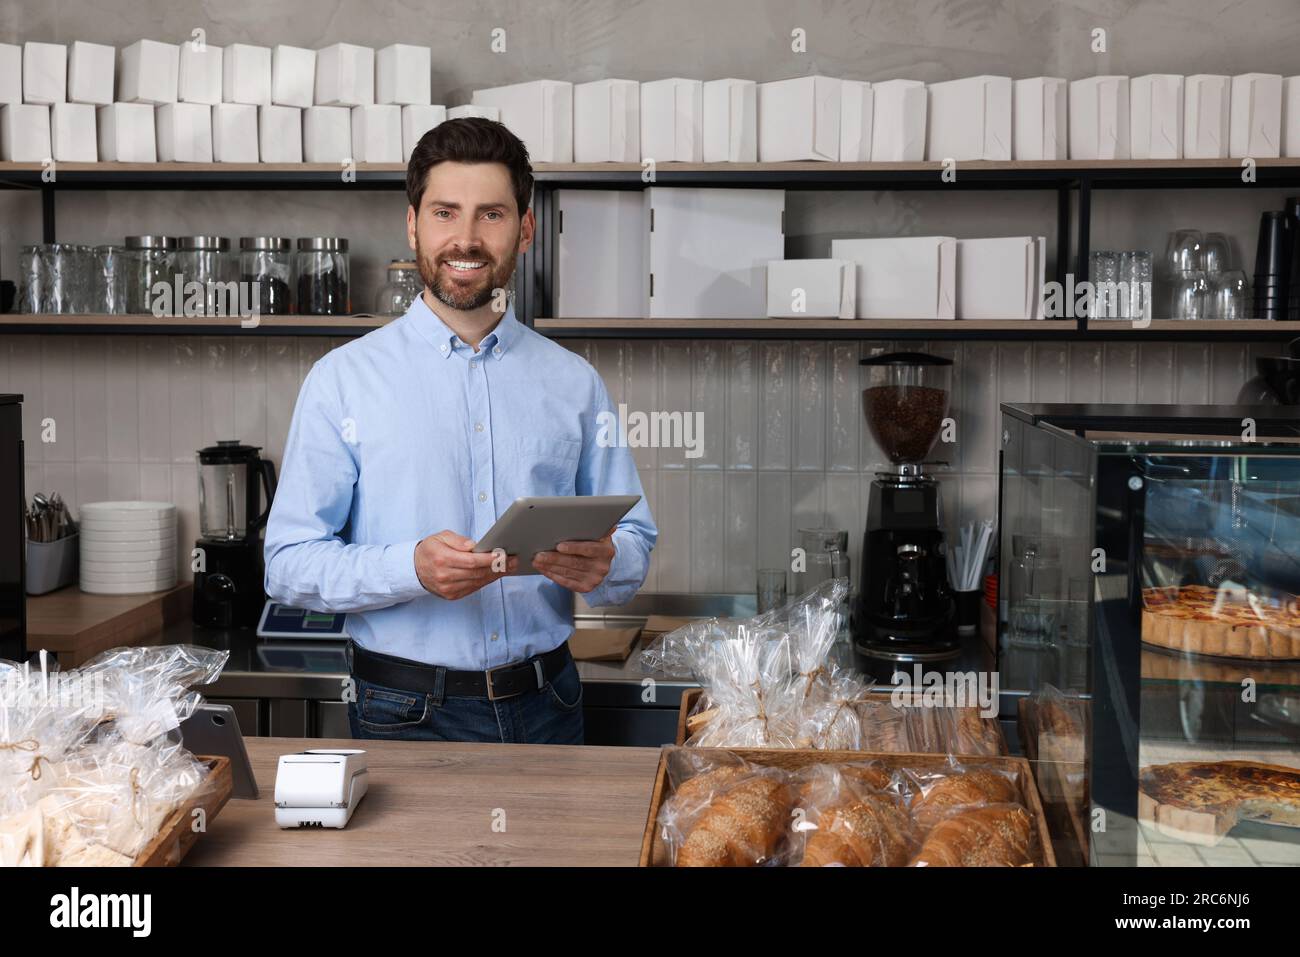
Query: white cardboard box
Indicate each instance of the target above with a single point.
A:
(293, 76)
(25, 133)
(1256, 116)
(200, 78)
(377, 133)
(708, 251)
(90, 73)
(45, 73)
(799, 119)
(279, 134)
(898, 121)
(912, 277)
(730, 121)
(540, 113)
(1001, 278)
(969, 119)
(184, 132)
(1099, 123)
(345, 75)
(811, 288)
(607, 122)
(470, 110)
(148, 72)
(72, 133)
(326, 134)
(1040, 118)
(234, 133)
(1291, 116)
(857, 108)
(126, 133)
(416, 121)
(672, 121)
(601, 254)
(1156, 116)
(403, 75)
(1206, 102)
(11, 73)
(246, 74)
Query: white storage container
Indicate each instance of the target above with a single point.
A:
(540, 113)
(799, 119)
(600, 254)
(1040, 118)
(912, 277)
(730, 123)
(672, 121)
(969, 119)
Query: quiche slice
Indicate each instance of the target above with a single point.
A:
(1200, 802)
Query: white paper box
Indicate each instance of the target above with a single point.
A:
(601, 254)
(730, 121)
(911, 277)
(811, 288)
(184, 132)
(126, 133)
(1156, 116)
(1039, 118)
(199, 74)
(1291, 116)
(1206, 101)
(345, 75)
(403, 75)
(326, 134)
(148, 72)
(1255, 124)
(377, 133)
(607, 122)
(90, 73)
(857, 106)
(279, 134)
(672, 121)
(45, 73)
(234, 133)
(25, 133)
(468, 110)
(72, 133)
(540, 113)
(799, 119)
(1099, 123)
(708, 250)
(293, 76)
(246, 74)
(416, 121)
(969, 119)
(11, 73)
(898, 121)
(1000, 278)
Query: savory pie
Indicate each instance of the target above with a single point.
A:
(1202, 801)
(1187, 619)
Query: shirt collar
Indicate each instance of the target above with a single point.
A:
(496, 343)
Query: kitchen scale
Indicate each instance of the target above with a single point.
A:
(282, 621)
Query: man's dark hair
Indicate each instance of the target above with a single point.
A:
(471, 139)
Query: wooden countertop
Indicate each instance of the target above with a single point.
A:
(77, 626)
(433, 804)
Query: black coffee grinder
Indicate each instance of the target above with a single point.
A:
(228, 589)
(905, 613)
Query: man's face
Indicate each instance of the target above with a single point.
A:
(467, 233)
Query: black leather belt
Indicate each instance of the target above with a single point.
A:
(505, 681)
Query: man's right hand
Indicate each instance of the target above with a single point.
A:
(449, 568)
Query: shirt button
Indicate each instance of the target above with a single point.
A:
(482, 496)
(443, 347)
(478, 426)
(473, 363)
(496, 351)
(494, 636)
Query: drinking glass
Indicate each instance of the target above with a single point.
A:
(1103, 271)
(771, 589)
(1229, 296)
(1183, 253)
(1191, 292)
(31, 278)
(1135, 272)
(1216, 253)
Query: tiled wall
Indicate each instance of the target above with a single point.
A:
(785, 444)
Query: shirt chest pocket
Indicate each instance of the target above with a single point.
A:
(545, 465)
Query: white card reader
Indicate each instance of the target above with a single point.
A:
(319, 787)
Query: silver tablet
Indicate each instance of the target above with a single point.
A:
(533, 525)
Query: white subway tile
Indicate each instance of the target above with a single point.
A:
(58, 399)
(774, 405)
(122, 400)
(674, 521)
(61, 477)
(249, 424)
(1192, 373)
(650, 487)
(674, 395)
(1015, 372)
(154, 398)
(155, 482)
(1086, 360)
(844, 511)
(1120, 372)
(123, 482)
(774, 529)
(977, 408)
(709, 401)
(90, 390)
(1230, 367)
(807, 505)
(1156, 381)
(708, 532)
(282, 385)
(26, 379)
(810, 404)
(843, 408)
(218, 379)
(642, 391)
(606, 357)
(185, 495)
(186, 386)
(741, 553)
(742, 405)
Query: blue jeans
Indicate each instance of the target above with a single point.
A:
(551, 715)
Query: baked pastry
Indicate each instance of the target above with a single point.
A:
(884, 727)
(1202, 801)
(741, 826)
(974, 787)
(865, 830)
(972, 733)
(999, 835)
(1207, 621)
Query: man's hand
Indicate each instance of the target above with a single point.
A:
(578, 566)
(448, 568)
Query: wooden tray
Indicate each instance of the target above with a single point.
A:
(654, 851)
(1065, 817)
(177, 835)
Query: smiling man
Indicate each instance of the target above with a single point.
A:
(407, 444)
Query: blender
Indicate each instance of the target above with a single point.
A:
(905, 613)
(228, 587)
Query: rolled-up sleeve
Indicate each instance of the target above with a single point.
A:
(308, 564)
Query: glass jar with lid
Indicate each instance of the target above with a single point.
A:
(401, 289)
(323, 276)
(268, 261)
(206, 260)
(149, 261)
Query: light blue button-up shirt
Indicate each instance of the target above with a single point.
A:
(407, 431)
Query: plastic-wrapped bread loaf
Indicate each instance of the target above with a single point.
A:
(741, 827)
(854, 822)
(995, 835)
(972, 787)
(884, 727)
(971, 733)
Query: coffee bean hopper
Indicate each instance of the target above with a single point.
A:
(905, 613)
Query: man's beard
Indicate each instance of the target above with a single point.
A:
(458, 296)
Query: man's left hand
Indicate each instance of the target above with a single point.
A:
(578, 566)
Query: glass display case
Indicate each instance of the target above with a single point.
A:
(1149, 568)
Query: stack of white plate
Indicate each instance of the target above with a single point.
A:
(128, 548)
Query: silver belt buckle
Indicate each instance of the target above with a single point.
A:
(537, 670)
(491, 691)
